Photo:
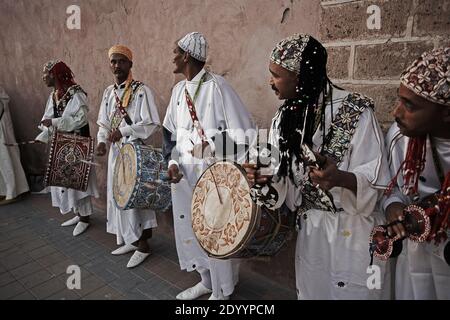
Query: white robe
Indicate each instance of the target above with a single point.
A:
(332, 252)
(12, 177)
(73, 118)
(127, 225)
(419, 273)
(218, 108)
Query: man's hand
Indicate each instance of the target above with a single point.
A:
(201, 150)
(329, 176)
(174, 174)
(115, 136)
(47, 122)
(101, 149)
(254, 174)
(394, 213)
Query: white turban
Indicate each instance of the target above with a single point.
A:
(195, 44)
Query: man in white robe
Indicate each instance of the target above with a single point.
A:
(66, 111)
(132, 227)
(12, 177)
(332, 250)
(420, 138)
(218, 109)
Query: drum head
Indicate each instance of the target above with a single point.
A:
(124, 178)
(223, 213)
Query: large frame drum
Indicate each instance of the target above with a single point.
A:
(68, 163)
(227, 223)
(139, 180)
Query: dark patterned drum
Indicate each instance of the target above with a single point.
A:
(140, 178)
(69, 161)
(417, 223)
(228, 224)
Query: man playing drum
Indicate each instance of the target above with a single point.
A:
(332, 253)
(200, 107)
(66, 111)
(419, 158)
(127, 113)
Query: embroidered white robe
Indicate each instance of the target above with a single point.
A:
(332, 251)
(127, 225)
(12, 177)
(73, 118)
(420, 274)
(218, 108)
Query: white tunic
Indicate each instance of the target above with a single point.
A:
(12, 177)
(218, 108)
(127, 225)
(73, 118)
(419, 273)
(332, 251)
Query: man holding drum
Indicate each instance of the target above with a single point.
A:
(419, 159)
(66, 111)
(335, 195)
(200, 107)
(127, 113)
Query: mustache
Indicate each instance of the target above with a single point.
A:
(399, 122)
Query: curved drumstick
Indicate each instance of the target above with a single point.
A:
(21, 143)
(217, 188)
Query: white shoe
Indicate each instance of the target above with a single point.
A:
(124, 249)
(137, 258)
(80, 228)
(222, 297)
(194, 292)
(71, 222)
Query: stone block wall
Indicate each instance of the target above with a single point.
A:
(371, 61)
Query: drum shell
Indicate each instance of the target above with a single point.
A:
(148, 191)
(273, 229)
(64, 168)
(266, 231)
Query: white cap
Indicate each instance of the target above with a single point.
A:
(195, 44)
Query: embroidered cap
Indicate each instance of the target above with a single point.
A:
(48, 66)
(289, 51)
(429, 76)
(195, 44)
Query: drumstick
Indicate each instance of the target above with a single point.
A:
(214, 179)
(90, 162)
(217, 188)
(20, 143)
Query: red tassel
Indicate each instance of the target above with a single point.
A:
(411, 167)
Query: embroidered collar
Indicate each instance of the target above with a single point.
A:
(120, 86)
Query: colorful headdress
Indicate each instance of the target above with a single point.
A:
(429, 76)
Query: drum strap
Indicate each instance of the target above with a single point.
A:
(336, 145)
(337, 141)
(60, 105)
(121, 112)
(191, 108)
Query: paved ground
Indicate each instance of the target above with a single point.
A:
(35, 253)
